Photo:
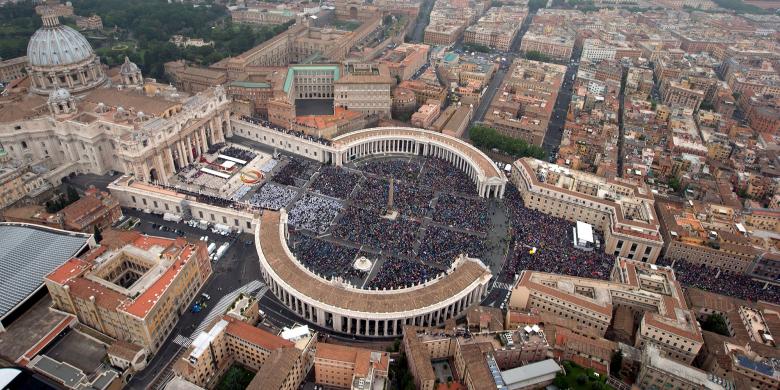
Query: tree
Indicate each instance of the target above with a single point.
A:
(73, 195)
(615, 363)
(716, 323)
(537, 56)
(534, 5)
(488, 138)
(674, 183)
(476, 47)
(98, 234)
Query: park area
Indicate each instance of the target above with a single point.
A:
(236, 378)
(579, 378)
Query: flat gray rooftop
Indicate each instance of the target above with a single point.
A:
(27, 254)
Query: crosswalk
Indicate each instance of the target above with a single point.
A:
(255, 288)
(501, 285)
(182, 340)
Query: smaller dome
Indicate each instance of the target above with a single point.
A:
(59, 95)
(128, 67)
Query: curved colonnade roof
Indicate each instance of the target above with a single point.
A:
(486, 165)
(272, 245)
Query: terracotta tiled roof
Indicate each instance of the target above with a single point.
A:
(256, 336)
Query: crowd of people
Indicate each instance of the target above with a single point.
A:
(372, 194)
(366, 227)
(325, 258)
(443, 176)
(462, 213)
(292, 169)
(412, 200)
(442, 246)
(335, 182)
(408, 170)
(239, 153)
(313, 213)
(272, 196)
(724, 282)
(543, 243)
(397, 272)
(296, 133)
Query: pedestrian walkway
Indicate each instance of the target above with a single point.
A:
(182, 340)
(255, 288)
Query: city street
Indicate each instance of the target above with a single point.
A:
(238, 266)
(498, 77)
(552, 139)
(422, 21)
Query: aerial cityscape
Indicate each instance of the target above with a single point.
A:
(389, 194)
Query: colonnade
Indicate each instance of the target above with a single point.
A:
(424, 148)
(355, 324)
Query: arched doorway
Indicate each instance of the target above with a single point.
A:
(353, 12)
(153, 175)
(225, 129)
(209, 138)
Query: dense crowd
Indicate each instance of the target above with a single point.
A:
(727, 283)
(293, 169)
(408, 170)
(272, 196)
(295, 133)
(366, 227)
(460, 212)
(372, 194)
(441, 246)
(325, 258)
(336, 182)
(412, 200)
(443, 176)
(313, 213)
(239, 153)
(214, 148)
(397, 272)
(551, 236)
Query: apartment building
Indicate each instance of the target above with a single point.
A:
(497, 28)
(280, 361)
(423, 92)
(748, 354)
(345, 367)
(623, 211)
(524, 103)
(425, 115)
(586, 306)
(595, 50)
(405, 60)
(475, 356)
(704, 235)
(553, 46)
(681, 94)
(658, 372)
(442, 34)
(133, 287)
